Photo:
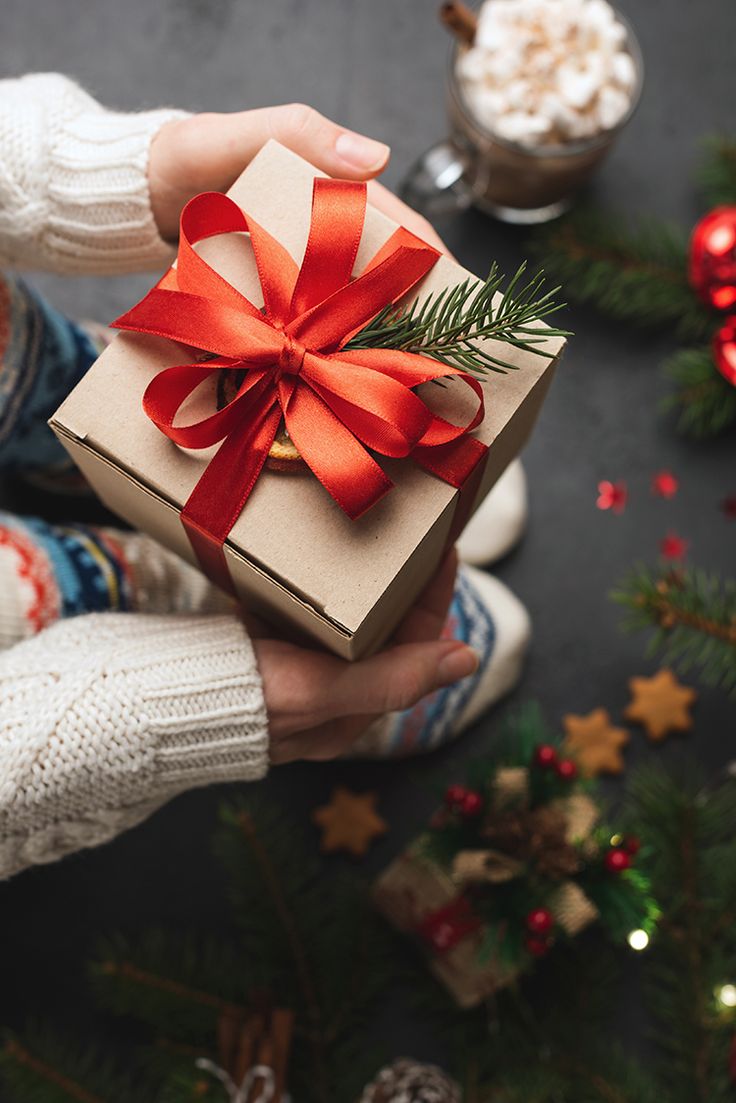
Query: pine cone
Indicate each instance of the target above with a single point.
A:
(407, 1081)
(537, 837)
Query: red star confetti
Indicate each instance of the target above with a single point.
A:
(728, 505)
(665, 484)
(612, 496)
(673, 546)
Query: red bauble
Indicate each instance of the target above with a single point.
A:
(545, 756)
(724, 350)
(455, 795)
(537, 946)
(567, 769)
(712, 261)
(616, 861)
(540, 921)
(632, 845)
(471, 804)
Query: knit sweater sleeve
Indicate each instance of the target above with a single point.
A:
(73, 181)
(103, 718)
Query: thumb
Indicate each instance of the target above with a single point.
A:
(233, 140)
(399, 677)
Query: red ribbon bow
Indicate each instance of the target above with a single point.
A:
(336, 403)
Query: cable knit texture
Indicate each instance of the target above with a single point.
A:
(103, 718)
(73, 180)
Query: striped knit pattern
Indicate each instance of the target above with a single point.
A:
(434, 719)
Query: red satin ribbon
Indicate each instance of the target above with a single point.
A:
(336, 403)
(443, 928)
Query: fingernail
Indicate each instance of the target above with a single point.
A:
(360, 152)
(458, 664)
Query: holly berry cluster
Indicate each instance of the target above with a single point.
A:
(547, 758)
(622, 852)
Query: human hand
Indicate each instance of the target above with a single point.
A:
(208, 152)
(318, 705)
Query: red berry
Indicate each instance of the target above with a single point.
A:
(545, 756)
(471, 804)
(537, 946)
(632, 845)
(540, 921)
(617, 861)
(567, 769)
(455, 795)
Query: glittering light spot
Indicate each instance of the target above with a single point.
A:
(665, 484)
(638, 940)
(726, 995)
(673, 546)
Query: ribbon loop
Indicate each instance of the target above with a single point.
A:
(336, 403)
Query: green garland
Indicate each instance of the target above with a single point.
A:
(638, 274)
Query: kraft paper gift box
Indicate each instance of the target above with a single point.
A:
(293, 555)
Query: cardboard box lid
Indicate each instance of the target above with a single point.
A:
(290, 526)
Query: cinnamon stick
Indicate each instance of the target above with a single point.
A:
(460, 21)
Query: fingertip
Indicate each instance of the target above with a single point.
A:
(459, 662)
(361, 155)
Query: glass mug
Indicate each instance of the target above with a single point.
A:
(515, 183)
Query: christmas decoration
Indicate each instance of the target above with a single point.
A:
(673, 546)
(728, 505)
(694, 617)
(660, 704)
(595, 742)
(665, 484)
(483, 895)
(612, 496)
(406, 1081)
(653, 276)
(349, 822)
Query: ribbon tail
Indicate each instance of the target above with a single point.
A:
(218, 499)
(459, 463)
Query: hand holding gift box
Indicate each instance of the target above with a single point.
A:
(343, 566)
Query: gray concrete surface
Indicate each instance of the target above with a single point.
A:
(378, 67)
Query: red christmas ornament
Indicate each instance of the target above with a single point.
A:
(673, 546)
(537, 946)
(728, 505)
(471, 804)
(617, 860)
(545, 756)
(724, 350)
(455, 795)
(632, 845)
(712, 260)
(566, 769)
(664, 484)
(612, 496)
(540, 921)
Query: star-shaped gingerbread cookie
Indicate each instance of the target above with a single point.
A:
(595, 742)
(661, 704)
(349, 822)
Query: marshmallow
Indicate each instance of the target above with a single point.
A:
(545, 71)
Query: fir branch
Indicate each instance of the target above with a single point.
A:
(704, 402)
(718, 173)
(694, 617)
(448, 325)
(43, 1068)
(631, 273)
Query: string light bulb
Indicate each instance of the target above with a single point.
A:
(639, 940)
(726, 995)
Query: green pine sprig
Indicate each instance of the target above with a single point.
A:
(450, 325)
(718, 173)
(693, 614)
(632, 273)
(702, 400)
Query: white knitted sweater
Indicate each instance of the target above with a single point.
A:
(103, 718)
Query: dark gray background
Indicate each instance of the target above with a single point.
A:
(378, 67)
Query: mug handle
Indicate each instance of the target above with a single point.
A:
(435, 184)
